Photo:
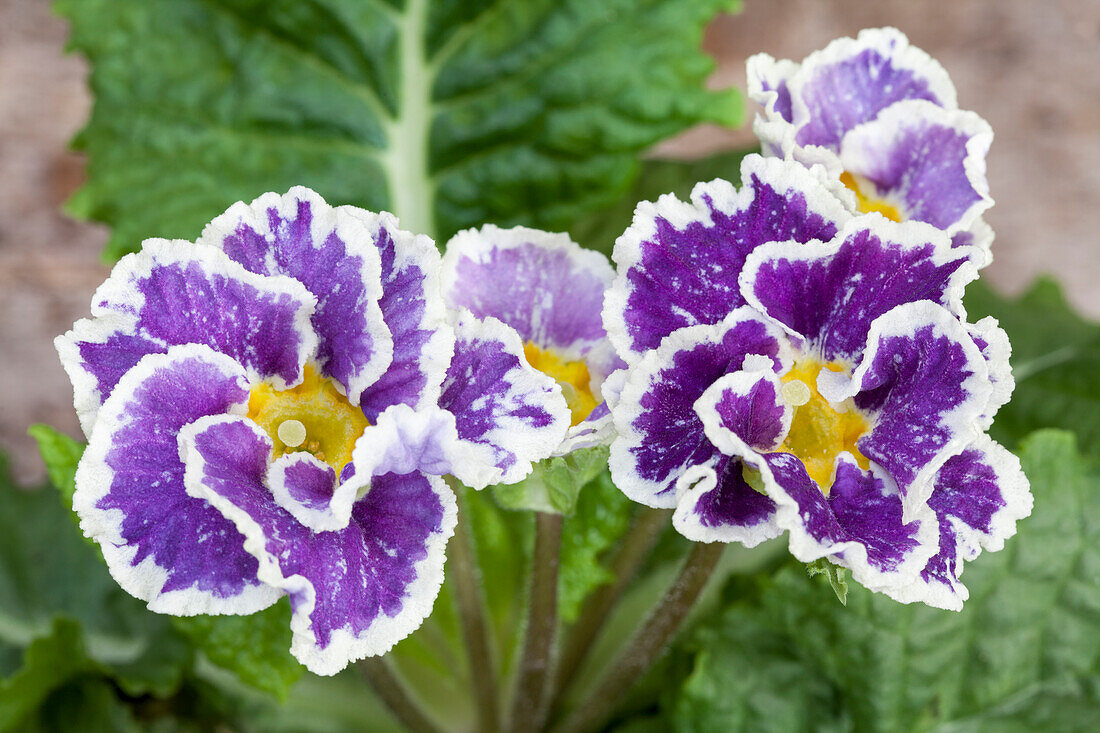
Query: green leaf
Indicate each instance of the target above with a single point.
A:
(60, 453)
(449, 113)
(1023, 654)
(834, 575)
(600, 229)
(602, 516)
(1055, 359)
(256, 648)
(555, 483)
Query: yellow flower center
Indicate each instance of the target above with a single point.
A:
(866, 203)
(573, 377)
(313, 417)
(819, 430)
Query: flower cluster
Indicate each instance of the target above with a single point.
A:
(799, 357)
(271, 408)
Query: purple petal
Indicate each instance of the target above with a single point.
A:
(413, 308)
(926, 384)
(858, 525)
(980, 494)
(178, 293)
(331, 253)
(679, 263)
(354, 592)
(829, 294)
(929, 159)
(306, 488)
(163, 546)
(721, 507)
(852, 80)
(543, 285)
(660, 436)
(508, 415)
(745, 408)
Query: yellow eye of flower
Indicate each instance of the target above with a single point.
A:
(819, 430)
(867, 204)
(573, 377)
(313, 417)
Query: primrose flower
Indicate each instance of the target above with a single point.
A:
(796, 368)
(549, 291)
(882, 117)
(263, 413)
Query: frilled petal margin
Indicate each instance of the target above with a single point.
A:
(354, 592)
(980, 494)
(828, 294)
(660, 437)
(161, 544)
(678, 262)
(507, 414)
(176, 292)
(334, 255)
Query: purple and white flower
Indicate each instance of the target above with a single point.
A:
(546, 292)
(794, 368)
(269, 411)
(881, 116)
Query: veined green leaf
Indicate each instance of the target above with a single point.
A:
(450, 113)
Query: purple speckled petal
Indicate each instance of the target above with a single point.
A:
(331, 253)
(163, 546)
(926, 384)
(768, 86)
(508, 414)
(980, 495)
(355, 592)
(720, 507)
(928, 159)
(679, 263)
(175, 292)
(745, 407)
(413, 308)
(852, 80)
(858, 525)
(829, 294)
(543, 285)
(305, 487)
(660, 436)
(992, 341)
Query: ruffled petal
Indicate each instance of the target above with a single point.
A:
(858, 525)
(176, 292)
(827, 295)
(335, 257)
(415, 313)
(306, 487)
(355, 592)
(745, 407)
(660, 436)
(992, 341)
(928, 159)
(678, 263)
(926, 384)
(980, 494)
(162, 545)
(544, 285)
(719, 506)
(508, 414)
(851, 81)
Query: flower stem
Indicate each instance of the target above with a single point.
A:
(647, 645)
(531, 702)
(471, 613)
(396, 698)
(634, 549)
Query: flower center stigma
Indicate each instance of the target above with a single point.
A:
(572, 376)
(820, 430)
(314, 417)
(868, 204)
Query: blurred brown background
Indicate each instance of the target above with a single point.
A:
(1030, 67)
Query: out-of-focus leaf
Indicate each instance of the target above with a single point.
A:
(61, 454)
(554, 484)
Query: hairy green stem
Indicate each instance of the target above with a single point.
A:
(475, 631)
(531, 702)
(646, 646)
(396, 698)
(633, 550)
